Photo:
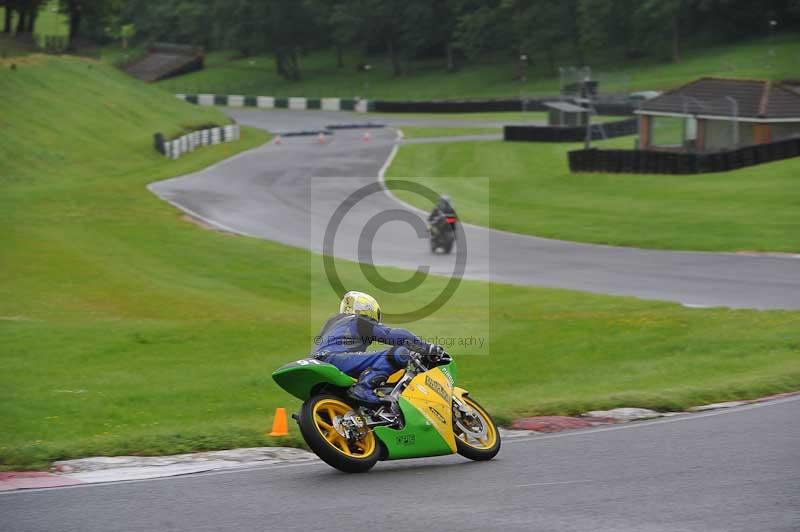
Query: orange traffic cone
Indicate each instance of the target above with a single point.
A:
(321, 138)
(278, 140)
(366, 136)
(280, 427)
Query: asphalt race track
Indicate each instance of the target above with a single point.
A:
(727, 471)
(286, 193)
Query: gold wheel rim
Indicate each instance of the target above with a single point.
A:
(325, 412)
(486, 441)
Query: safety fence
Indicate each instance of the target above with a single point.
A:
(271, 102)
(570, 134)
(662, 162)
(492, 105)
(174, 148)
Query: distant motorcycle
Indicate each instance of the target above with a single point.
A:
(442, 226)
(423, 414)
(443, 233)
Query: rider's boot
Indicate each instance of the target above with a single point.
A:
(363, 391)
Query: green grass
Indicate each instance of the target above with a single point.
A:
(533, 192)
(229, 74)
(109, 120)
(414, 132)
(126, 330)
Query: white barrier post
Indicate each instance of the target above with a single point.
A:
(297, 104)
(331, 104)
(265, 102)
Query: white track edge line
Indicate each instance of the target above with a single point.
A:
(684, 416)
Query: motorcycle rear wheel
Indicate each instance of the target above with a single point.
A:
(477, 440)
(317, 425)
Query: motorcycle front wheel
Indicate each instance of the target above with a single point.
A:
(318, 419)
(477, 437)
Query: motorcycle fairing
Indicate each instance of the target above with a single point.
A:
(416, 439)
(427, 409)
(301, 377)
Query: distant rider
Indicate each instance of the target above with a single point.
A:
(441, 211)
(345, 337)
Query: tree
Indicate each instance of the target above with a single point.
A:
(9, 6)
(656, 16)
(428, 29)
(337, 25)
(484, 29)
(88, 18)
(290, 31)
(539, 27)
(74, 11)
(593, 23)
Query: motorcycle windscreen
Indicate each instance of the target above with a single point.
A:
(427, 405)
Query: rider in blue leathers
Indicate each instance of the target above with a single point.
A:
(345, 337)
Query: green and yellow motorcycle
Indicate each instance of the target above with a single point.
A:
(423, 414)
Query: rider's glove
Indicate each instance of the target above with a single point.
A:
(435, 352)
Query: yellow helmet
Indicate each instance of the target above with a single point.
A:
(360, 303)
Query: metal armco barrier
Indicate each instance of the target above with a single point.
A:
(660, 162)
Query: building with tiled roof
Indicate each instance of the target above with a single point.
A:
(714, 114)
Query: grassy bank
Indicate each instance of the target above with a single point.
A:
(228, 74)
(532, 191)
(126, 329)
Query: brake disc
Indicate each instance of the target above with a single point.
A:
(478, 434)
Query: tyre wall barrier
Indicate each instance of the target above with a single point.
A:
(456, 106)
(271, 102)
(570, 134)
(189, 142)
(660, 162)
(364, 106)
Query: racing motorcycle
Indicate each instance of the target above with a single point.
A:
(442, 231)
(422, 414)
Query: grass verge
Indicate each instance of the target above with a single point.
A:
(532, 191)
(415, 132)
(126, 330)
